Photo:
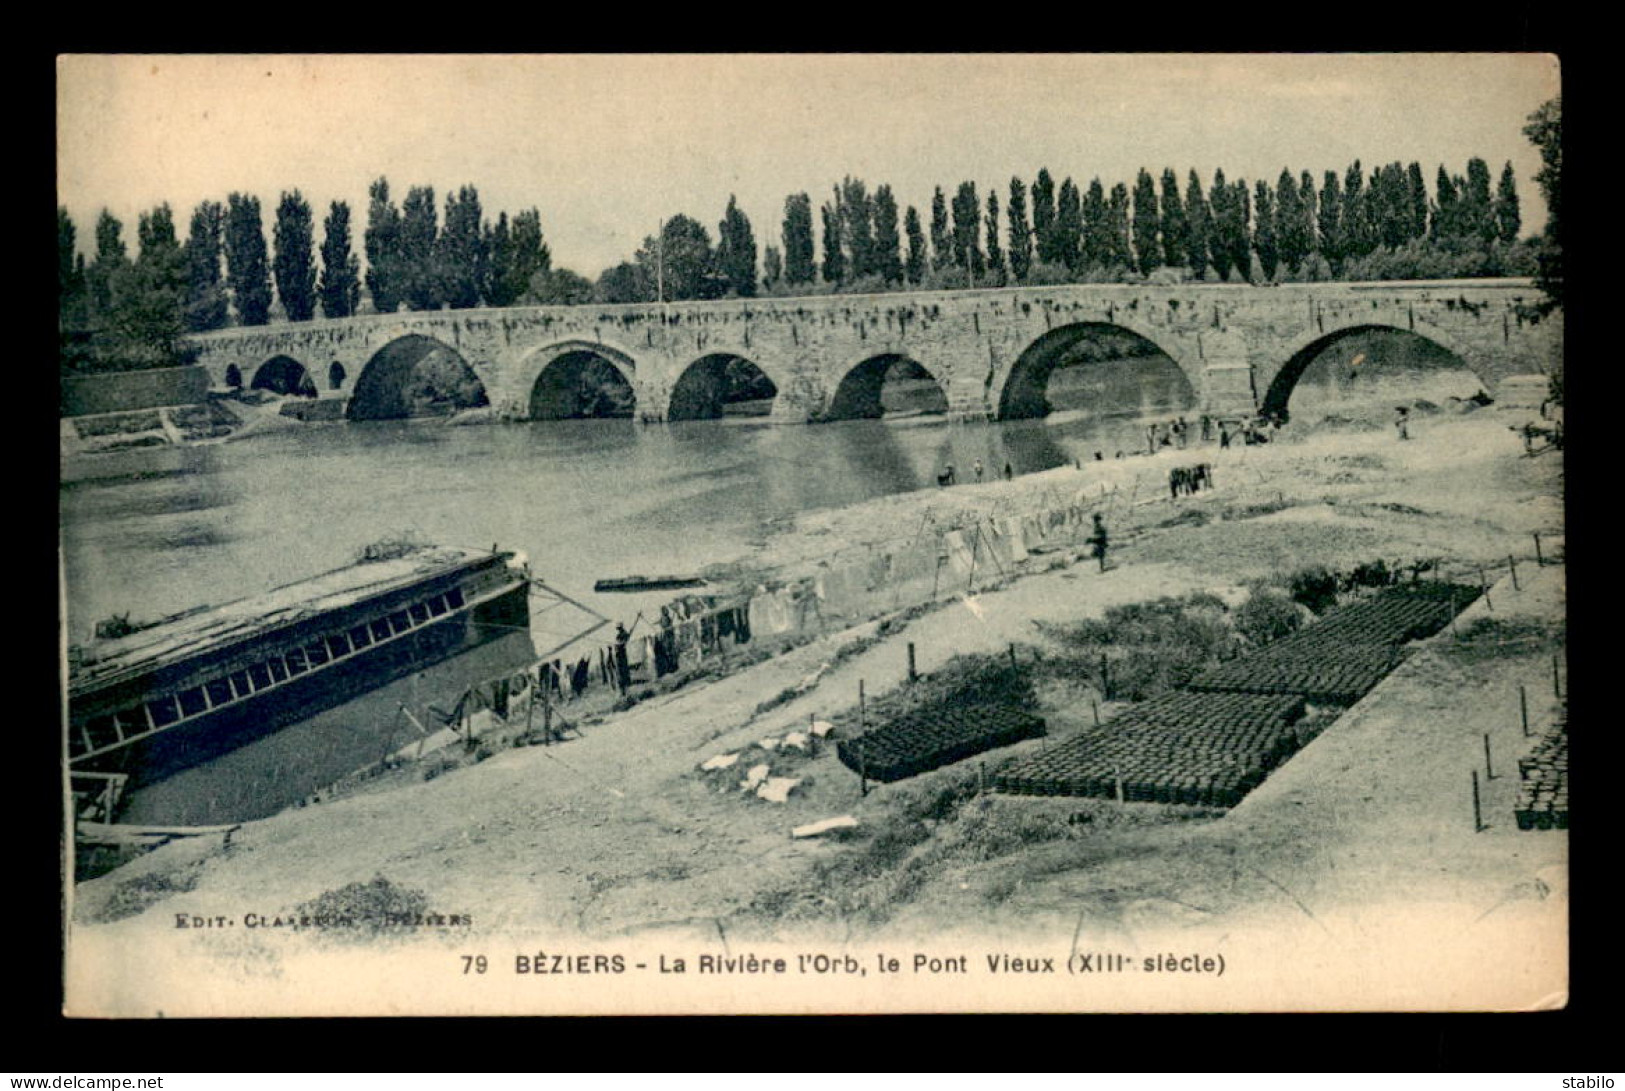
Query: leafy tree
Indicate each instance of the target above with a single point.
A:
(1066, 233)
(967, 240)
(383, 245)
(834, 253)
(1545, 131)
(916, 262)
(1291, 240)
(1391, 204)
(857, 228)
(340, 287)
(1095, 246)
(558, 288)
(628, 282)
(798, 240)
(295, 263)
(1200, 220)
(772, 268)
(419, 230)
(1507, 218)
(680, 262)
(942, 243)
(1021, 234)
(995, 254)
(143, 325)
(1174, 226)
(1044, 218)
(1331, 222)
(73, 315)
(736, 251)
(1147, 220)
(1266, 239)
(1220, 199)
(460, 259)
(206, 305)
(110, 260)
(888, 246)
(66, 253)
(247, 268)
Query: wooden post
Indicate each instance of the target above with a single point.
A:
(1105, 678)
(863, 775)
(863, 712)
(1117, 777)
(913, 674)
(1512, 566)
(970, 577)
(1540, 559)
(1523, 709)
(981, 777)
(1489, 770)
(1478, 819)
(547, 719)
(1096, 706)
(1557, 688)
(1012, 655)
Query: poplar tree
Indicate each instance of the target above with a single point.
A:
(967, 240)
(1359, 236)
(1220, 198)
(916, 261)
(206, 305)
(1067, 232)
(1508, 221)
(1044, 217)
(1241, 240)
(1331, 221)
(295, 261)
(460, 260)
(1173, 225)
(148, 296)
(1416, 191)
(497, 239)
(382, 242)
(1021, 235)
(995, 254)
(799, 251)
(247, 269)
(1122, 255)
(834, 260)
(736, 251)
(528, 253)
(1293, 246)
(1446, 213)
(1308, 211)
(772, 268)
(1147, 250)
(110, 261)
(340, 288)
(419, 230)
(1199, 231)
(1096, 247)
(888, 244)
(1266, 236)
(1479, 202)
(857, 228)
(942, 244)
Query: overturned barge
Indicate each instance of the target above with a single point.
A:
(145, 702)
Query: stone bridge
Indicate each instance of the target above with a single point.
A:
(1242, 347)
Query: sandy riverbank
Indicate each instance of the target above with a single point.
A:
(1358, 844)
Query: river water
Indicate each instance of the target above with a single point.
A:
(584, 499)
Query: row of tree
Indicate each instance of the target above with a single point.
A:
(1046, 233)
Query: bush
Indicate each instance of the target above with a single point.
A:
(1314, 587)
(1266, 616)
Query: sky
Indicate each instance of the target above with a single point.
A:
(607, 146)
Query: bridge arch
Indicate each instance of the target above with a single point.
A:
(1024, 394)
(284, 375)
(1292, 372)
(414, 375)
(572, 379)
(707, 385)
(858, 392)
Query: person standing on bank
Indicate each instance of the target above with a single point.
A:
(1402, 420)
(623, 670)
(1098, 541)
(977, 470)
